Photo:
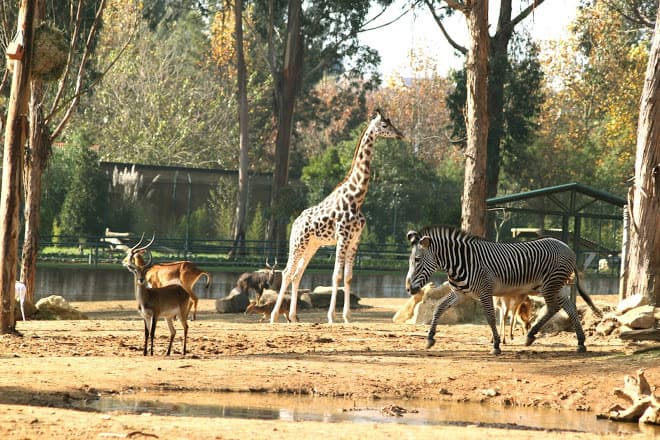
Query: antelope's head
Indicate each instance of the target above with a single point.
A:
(271, 273)
(134, 260)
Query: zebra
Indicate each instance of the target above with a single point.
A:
(484, 269)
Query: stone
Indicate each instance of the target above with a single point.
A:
(606, 327)
(560, 322)
(638, 318)
(56, 307)
(631, 302)
(468, 310)
(320, 298)
(236, 302)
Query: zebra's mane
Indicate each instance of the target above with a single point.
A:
(445, 230)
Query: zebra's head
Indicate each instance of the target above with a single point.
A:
(422, 263)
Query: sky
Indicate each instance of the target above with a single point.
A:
(418, 30)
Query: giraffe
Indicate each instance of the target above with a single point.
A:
(337, 219)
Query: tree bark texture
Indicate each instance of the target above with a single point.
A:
(241, 206)
(644, 247)
(473, 205)
(15, 133)
(35, 163)
(287, 84)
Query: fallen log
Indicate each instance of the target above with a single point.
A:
(648, 334)
(644, 406)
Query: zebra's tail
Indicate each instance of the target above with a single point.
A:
(586, 297)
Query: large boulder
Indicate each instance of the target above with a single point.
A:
(304, 301)
(631, 302)
(468, 310)
(638, 318)
(320, 298)
(56, 307)
(235, 302)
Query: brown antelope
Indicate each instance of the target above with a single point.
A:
(267, 308)
(166, 302)
(183, 273)
(522, 311)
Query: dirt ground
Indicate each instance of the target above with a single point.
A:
(50, 372)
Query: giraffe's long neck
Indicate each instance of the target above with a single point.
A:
(357, 180)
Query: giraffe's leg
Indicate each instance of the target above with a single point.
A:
(454, 297)
(348, 271)
(293, 313)
(343, 244)
(286, 279)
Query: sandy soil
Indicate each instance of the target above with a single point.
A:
(50, 372)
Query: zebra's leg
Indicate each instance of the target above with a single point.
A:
(551, 297)
(486, 299)
(454, 297)
(569, 307)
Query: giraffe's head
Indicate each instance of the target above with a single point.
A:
(383, 127)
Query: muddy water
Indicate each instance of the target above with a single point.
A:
(339, 410)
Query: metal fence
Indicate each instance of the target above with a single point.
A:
(214, 253)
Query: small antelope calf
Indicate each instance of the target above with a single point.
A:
(267, 308)
(166, 302)
(522, 311)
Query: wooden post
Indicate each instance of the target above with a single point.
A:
(15, 134)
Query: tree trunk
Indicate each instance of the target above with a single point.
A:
(286, 86)
(241, 207)
(644, 247)
(33, 168)
(11, 170)
(473, 207)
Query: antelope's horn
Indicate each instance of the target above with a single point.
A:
(153, 237)
(134, 248)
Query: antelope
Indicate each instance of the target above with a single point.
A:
(183, 273)
(522, 311)
(267, 308)
(260, 280)
(166, 302)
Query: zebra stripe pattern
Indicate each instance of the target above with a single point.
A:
(484, 269)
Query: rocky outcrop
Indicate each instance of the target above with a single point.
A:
(235, 302)
(468, 310)
(56, 307)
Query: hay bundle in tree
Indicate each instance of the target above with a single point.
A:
(50, 52)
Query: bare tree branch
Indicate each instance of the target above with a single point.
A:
(635, 17)
(525, 12)
(438, 21)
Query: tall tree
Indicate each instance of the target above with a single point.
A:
(473, 204)
(498, 64)
(82, 21)
(643, 258)
(243, 124)
(14, 140)
(310, 42)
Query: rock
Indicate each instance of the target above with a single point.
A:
(320, 298)
(468, 310)
(631, 302)
(606, 327)
(56, 307)
(304, 301)
(235, 302)
(560, 322)
(408, 309)
(638, 318)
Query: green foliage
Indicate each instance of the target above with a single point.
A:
(55, 185)
(163, 103)
(222, 204)
(257, 228)
(84, 206)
